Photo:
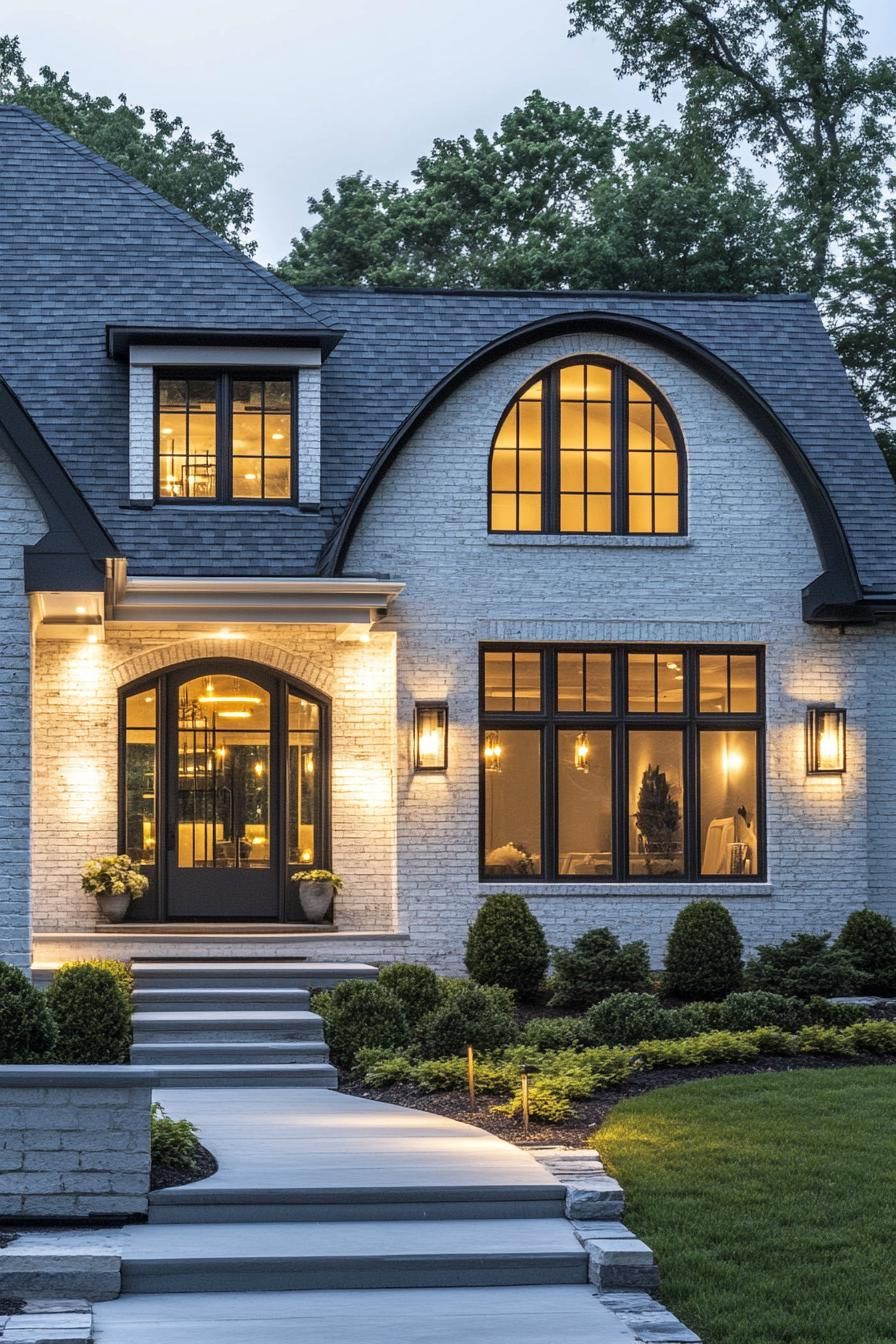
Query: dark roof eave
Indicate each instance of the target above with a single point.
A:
(119, 339)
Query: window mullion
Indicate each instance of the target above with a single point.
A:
(619, 445)
(224, 437)
(550, 457)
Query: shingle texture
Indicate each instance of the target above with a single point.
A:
(82, 245)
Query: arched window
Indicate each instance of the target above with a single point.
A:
(588, 446)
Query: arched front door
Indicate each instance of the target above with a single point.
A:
(223, 785)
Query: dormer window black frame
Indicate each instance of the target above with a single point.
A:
(212, 473)
(588, 446)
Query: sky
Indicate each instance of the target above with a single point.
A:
(308, 90)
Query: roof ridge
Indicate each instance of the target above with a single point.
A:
(393, 291)
(286, 290)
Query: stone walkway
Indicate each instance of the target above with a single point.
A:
(461, 1235)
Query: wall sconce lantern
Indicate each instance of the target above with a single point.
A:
(582, 752)
(825, 740)
(493, 751)
(430, 735)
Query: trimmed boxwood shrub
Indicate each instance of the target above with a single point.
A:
(804, 966)
(471, 1015)
(626, 1019)
(506, 945)
(870, 939)
(704, 954)
(596, 966)
(417, 988)
(121, 970)
(92, 1015)
(554, 1033)
(759, 1008)
(27, 1031)
(361, 1014)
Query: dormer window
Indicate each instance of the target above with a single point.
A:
(225, 438)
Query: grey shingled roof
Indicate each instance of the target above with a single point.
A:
(83, 245)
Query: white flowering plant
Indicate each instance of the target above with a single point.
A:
(114, 875)
(318, 875)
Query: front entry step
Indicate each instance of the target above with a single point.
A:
(251, 974)
(266, 1257)
(229, 1024)
(247, 1075)
(187, 999)
(159, 1054)
(226, 1026)
(217, 1202)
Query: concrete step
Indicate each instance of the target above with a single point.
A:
(230, 1052)
(518, 1315)
(247, 1075)
(192, 1027)
(312, 1256)
(249, 974)
(217, 1201)
(183, 998)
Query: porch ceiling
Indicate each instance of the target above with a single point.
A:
(235, 601)
(353, 604)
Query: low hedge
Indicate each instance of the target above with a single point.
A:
(561, 1077)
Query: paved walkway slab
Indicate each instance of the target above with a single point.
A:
(313, 1139)
(541, 1315)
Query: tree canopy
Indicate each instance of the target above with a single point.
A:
(793, 86)
(160, 151)
(558, 196)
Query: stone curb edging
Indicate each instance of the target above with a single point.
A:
(62, 1321)
(620, 1266)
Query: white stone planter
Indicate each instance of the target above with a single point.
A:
(315, 899)
(113, 906)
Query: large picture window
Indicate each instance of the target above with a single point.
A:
(622, 764)
(588, 446)
(225, 438)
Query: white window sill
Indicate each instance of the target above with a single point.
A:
(692, 890)
(584, 539)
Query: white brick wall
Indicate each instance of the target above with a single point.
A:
(76, 755)
(738, 578)
(308, 412)
(23, 525)
(141, 433)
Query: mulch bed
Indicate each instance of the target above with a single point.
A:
(161, 1177)
(589, 1115)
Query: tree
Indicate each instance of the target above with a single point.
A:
(793, 85)
(160, 151)
(559, 196)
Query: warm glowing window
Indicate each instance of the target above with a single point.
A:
(587, 448)
(227, 437)
(621, 764)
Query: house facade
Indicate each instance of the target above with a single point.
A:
(586, 596)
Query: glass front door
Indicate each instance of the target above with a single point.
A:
(223, 791)
(222, 798)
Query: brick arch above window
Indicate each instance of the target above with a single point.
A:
(588, 446)
(294, 665)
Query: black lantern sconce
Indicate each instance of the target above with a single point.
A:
(825, 740)
(430, 735)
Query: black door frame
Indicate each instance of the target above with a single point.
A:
(153, 907)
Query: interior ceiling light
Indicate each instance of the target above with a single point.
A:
(230, 699)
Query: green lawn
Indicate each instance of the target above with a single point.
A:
(770, 1202)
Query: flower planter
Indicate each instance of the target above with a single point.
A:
(113, 906)
(315, 899)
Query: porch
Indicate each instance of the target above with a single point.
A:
(224, 759)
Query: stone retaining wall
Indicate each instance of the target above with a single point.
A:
(74, 1141)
